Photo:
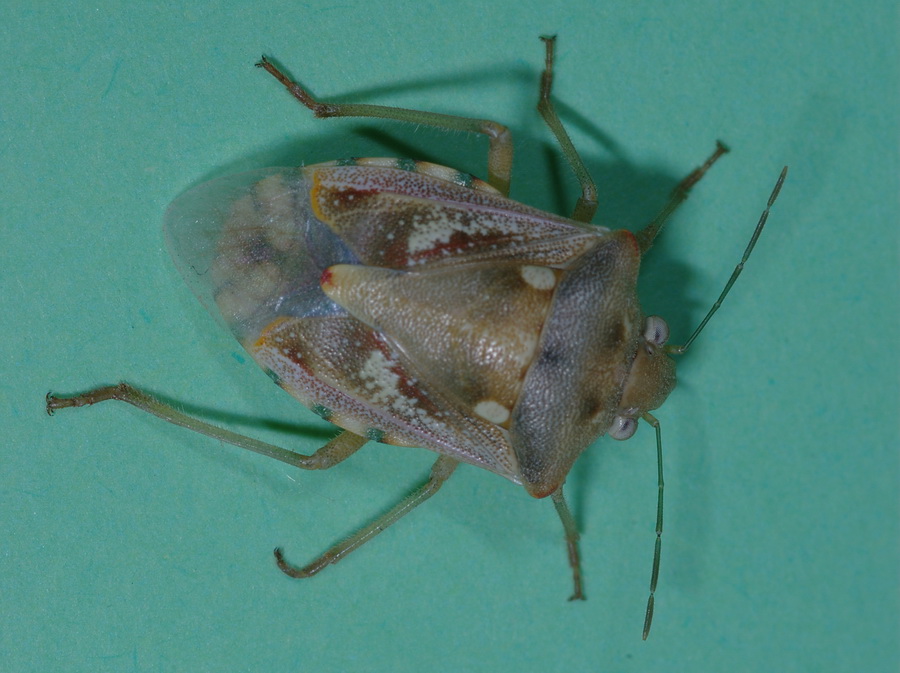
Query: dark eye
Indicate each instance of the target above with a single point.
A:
(656, 330)
(623, 427)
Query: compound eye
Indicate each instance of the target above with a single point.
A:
(623, 427)
(656, 330)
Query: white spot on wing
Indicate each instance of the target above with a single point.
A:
(441, 223)
(384, 384)
(538, 277)
(492, 411)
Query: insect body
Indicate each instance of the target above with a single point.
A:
(418, 312)
(413, 305)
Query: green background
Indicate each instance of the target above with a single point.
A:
(131, 545)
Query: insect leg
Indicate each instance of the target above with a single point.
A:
(338, 449)
(587, 202)
(500, 151)
(648, 234)
(440, 472)
(571, 531)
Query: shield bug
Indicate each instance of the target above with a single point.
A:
(411, 304)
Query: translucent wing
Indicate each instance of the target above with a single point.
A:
(251, 251)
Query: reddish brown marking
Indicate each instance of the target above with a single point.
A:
(543, 493)
(629, 237)
(346, 197)
(325, 280)
(289, 349)
(396, 256)
(458, 241)
(322, 197)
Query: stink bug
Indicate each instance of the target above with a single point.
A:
(410, 304)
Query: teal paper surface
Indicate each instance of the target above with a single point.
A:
(133, 545)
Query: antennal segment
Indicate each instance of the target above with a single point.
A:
(681, 350)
